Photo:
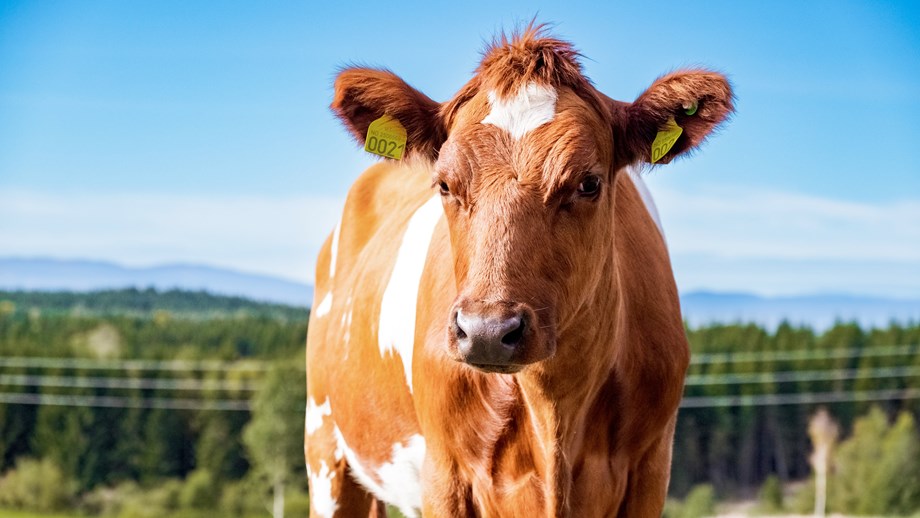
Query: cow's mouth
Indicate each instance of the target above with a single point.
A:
(497, 369)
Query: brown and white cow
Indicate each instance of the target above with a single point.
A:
(496, 330)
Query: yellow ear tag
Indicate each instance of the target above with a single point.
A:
(665, 139)
(386, 137)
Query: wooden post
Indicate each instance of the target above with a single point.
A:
(823, 432)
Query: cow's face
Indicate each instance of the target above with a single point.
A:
(527, 186)
(525, 157)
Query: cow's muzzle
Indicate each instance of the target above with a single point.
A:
(498, 336)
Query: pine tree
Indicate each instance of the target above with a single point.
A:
(274, 436)
(878, 468)
(895, 484)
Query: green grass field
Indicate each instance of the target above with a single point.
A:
(9, 513)
(6, 513)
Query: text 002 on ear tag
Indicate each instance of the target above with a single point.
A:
(665, 139)
(386, 137)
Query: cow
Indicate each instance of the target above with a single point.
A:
(496, 329)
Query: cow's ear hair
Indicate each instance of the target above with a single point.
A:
(698, 101)
(363, 95)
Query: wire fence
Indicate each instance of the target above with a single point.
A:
(28, 380)
(129, 365)
(805, 354)
(124, 402)
(188, 367)
(809, 398)
(800, 376)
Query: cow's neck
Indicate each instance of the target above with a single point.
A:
(558, 395)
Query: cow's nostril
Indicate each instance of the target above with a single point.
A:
(462, 324)
(514, 337)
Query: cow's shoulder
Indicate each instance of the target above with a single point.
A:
(356, 261)
(386, 193)
(650, 331)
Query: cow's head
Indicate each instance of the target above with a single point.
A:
(525, 156)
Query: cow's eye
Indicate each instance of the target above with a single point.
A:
(442, 186)
(590, 186)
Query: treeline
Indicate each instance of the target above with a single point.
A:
(875, 471)
(144, 303)
(143, 413)
(172, 426)
(750, 393)
(162, 336)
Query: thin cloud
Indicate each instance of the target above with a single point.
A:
(739, 223)
(273, 235)
(725, 239)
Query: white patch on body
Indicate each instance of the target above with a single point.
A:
(646, 196)
(321, 491)
(347, 324)
(396, 333)
(315, 414)
(338, 453)
(400, 478)
(532, 107)
(335, 249)
(324, 306)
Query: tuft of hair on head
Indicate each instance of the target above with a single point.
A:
(529, 55)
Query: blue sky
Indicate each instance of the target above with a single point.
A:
(153, 132)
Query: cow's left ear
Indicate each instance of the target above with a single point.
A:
(364, 95)
(673, 116)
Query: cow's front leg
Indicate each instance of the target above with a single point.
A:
(333, 490)
(647, 488)
(444, 493)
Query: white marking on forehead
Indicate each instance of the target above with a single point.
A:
(321, 491)
(400, 478)
(325, 305)
(396, 333)
(647, 199)
(532, 107)
(315, 414)
(335, 249)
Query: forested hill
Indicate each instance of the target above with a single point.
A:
(145, 303)
(139, 392)
(46, 274)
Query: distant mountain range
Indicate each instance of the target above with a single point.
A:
(78, 275)
(818, 311)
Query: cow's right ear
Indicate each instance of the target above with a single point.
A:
(363, 95)
(671, 118)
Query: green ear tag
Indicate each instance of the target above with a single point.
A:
(691, 108)
(386, 137)
(665, 139)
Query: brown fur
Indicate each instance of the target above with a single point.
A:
(363, 95)
(584, 426)
(530, 56)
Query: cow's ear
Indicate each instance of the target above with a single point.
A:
(672, 117)
(364, 95)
